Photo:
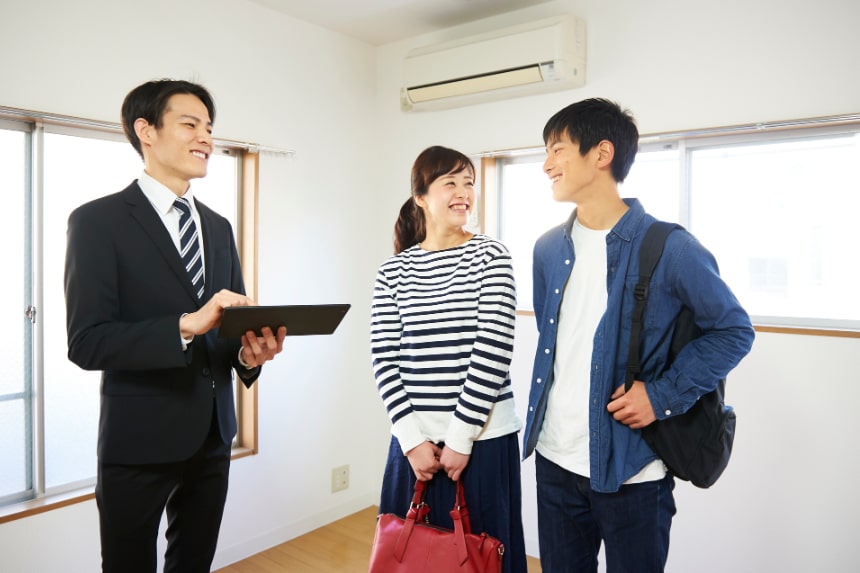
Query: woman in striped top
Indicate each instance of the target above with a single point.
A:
(442, 338)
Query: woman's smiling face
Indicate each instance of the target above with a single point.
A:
(449, 200)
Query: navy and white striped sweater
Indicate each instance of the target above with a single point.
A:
(442, 333)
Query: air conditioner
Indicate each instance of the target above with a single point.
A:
(539, 56)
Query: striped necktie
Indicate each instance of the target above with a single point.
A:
(189, 245)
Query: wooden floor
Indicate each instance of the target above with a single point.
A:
(339, 547)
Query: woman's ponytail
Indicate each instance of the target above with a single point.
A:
(409, 229)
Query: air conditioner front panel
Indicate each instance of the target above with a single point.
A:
(537, 56)
(480, 57)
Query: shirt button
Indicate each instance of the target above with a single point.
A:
(552, 321)
(531, 409)
(556, 291)
(546, 351)
(668, 412)
(539, 380)
(567, 261)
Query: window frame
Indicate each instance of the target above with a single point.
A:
(686, 143)
(33, 124)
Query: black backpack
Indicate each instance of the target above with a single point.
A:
(695, 445)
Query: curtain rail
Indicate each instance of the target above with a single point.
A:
(826, 121)
(833, 120)
(70, 121)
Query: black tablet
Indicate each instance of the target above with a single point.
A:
(299, 319)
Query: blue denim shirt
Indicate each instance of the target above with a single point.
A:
(686, 275)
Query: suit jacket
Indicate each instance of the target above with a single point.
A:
(126, 288)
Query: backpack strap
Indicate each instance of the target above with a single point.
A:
(650, 252)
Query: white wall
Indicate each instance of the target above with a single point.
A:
(785, 504)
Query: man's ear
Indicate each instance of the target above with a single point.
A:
(606, 152)
(144, 130)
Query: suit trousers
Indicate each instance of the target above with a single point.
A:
(132, 498)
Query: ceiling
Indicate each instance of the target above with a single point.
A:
(379, 22)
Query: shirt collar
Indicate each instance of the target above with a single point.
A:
(159, 195)
(568, 225)
(625, 227)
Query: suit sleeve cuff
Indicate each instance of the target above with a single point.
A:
(185, 341)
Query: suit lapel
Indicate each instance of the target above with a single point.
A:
(141, 210)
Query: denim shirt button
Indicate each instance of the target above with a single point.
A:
(552, 321)
(539, 380)
(567, 261)
(546, 350)
(531, 409)
(668, 412)
(556, 291)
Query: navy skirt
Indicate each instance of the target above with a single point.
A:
(492, 488)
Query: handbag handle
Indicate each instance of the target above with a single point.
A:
(461, 509)
(418, 509)
(462, 525)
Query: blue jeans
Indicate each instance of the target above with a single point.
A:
(573, 520)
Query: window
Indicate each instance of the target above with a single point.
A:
(779, 214)
(774, 204)
(15, 416)
(526, 211)
(49, 406)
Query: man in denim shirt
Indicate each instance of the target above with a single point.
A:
(597, 479)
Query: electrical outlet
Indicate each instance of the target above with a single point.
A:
(339, 478)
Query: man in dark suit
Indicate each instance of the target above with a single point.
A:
(146, 284)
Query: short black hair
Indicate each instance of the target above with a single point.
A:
(590, 121)
(149, 101)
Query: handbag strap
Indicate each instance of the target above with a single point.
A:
(460, 507)
(418, 509)
(462, 525)
(650, 252)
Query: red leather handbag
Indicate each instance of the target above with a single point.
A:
(413, 546)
